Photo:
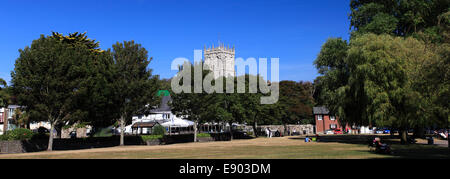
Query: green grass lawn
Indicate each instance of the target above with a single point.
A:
(261, 148)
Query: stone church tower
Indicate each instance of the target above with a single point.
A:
(220, 60)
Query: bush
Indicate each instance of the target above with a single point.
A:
(104, 132)
(18, 134)
(151, 137)
(158, 130)
(203, 135)
(3, 137)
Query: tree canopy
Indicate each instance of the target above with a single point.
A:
(49, 80)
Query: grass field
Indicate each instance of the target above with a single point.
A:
(260, 148)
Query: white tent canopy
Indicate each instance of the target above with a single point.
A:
(177, 122)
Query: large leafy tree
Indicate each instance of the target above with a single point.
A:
(396, 17)
(386, 81)
(255, 113)
(49, 79)
(332, 65)
(134, 86)
(297, 97)
(381, 75)
(229, 108)
(195, 107)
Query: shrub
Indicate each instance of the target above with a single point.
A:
(104, 132)
(18, 134)
(151, 137)
(203, 135)
(158, 130)
(3, 137)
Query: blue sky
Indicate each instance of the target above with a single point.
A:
(292, 30)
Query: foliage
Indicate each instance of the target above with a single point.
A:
(204, 135)
(17, 134)
(298, 101)
(193, 106)
(151, 137)
(21, 118)
(104, 132)
(384, 80)
(134, 85)
(53, 78)
(396, 17)
(158, 130)
(331, 64)
(4, 95)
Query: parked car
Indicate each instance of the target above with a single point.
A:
(73, 134)
(329, 132)
(379, 131)
(387, 131)
(337, 131)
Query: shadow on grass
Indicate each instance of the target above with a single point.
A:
(411, 151)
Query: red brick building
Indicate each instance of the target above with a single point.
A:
(325, 121)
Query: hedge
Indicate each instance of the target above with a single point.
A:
(17, 134)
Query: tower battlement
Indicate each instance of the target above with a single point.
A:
(220, 48)
(220, 60)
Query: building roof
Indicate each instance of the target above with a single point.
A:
(164, 106)
(144, 124)
(13, 106)
(320, 110)
(163, 93)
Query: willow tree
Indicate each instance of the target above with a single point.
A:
(333, 93)
(384, 71)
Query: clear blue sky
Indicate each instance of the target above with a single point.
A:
(292, 30)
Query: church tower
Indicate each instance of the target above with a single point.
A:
(220, 60)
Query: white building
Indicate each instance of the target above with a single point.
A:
(143, 124)
(7, 116)
(220, 60)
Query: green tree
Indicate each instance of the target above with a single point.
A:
(297, 96)
(3, 94)
(332, 92)
(396, 17)
(134, 85)
(194, 106)
(383, 72)
(48, 80)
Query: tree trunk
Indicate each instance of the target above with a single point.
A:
(403, 136)
(195, 131)
(231, 131)
(58, 129)
(122, 131)
(255, 129)
(50, 139)
(285, 130)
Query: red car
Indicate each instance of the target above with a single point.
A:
(337, 131)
